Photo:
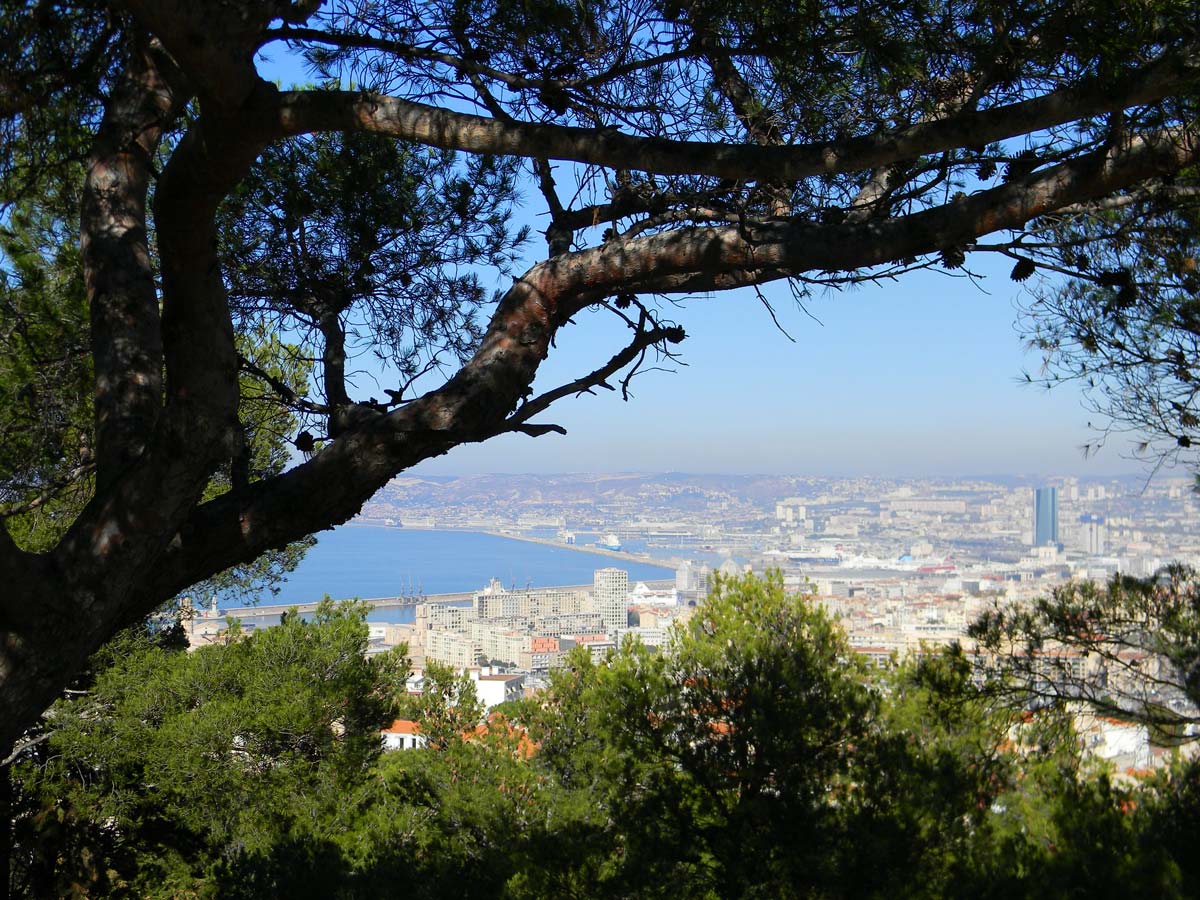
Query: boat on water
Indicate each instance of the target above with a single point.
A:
(610, 542)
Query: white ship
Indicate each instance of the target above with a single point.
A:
(610, 542)
(822, 557)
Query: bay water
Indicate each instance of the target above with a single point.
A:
(367, 561)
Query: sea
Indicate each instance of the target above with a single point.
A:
(368, 561)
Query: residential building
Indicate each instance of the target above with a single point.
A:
(610, 594)
(402, 734)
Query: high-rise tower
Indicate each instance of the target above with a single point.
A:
(610, 590)
(1091, 538)
(1045, 516)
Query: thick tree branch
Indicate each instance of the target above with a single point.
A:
(1170, 193)
(300, 112)
(790, 247)
(333, 485)
(213, 43)
(475, 403)
(201, 359)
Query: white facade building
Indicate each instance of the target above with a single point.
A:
(610, 593)
(492, 690)
(404, 734)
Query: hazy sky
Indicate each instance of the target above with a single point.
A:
(916, 377)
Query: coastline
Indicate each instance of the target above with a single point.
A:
(457, 598)
(369, 560)
(668, 564)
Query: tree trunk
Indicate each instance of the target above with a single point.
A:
(6, 824)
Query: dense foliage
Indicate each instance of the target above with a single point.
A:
(172, 770)
(1125, 322)
(752, 757)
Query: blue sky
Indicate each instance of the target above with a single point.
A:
(919, 377)
(909, 378)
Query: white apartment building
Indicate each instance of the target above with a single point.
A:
(495, 602)
(451, 648)
(610, 594)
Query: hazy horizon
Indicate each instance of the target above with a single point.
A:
(1178, 473)
(922, 376)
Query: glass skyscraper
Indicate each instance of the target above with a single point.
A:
(1045, 516)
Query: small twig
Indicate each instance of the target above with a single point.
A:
(49, 493)
(19, 749)
(762, 298)
(285, 392)
(643, 339)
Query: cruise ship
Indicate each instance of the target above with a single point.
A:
(813, 558)
(836, 557)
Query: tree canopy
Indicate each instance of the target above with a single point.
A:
(753, 756)
(674, 148)
(170, 769)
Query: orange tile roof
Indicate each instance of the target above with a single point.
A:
(523, 746)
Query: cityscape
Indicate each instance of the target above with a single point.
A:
(902, 565)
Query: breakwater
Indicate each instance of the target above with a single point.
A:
(594, 549)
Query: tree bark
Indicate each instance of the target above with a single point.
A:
(6, 825)
(118, 276)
